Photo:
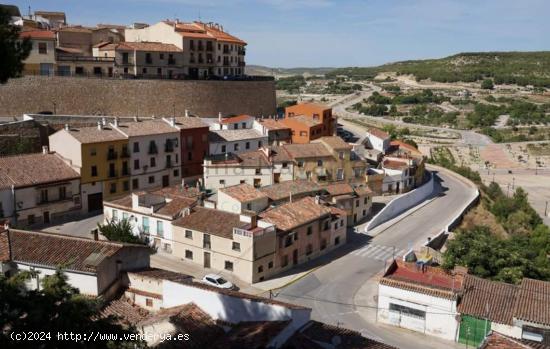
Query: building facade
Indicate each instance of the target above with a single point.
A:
(41, 59)
(309, 121)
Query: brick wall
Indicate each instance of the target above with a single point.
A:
(88, 96)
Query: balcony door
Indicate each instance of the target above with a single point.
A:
(207, 259)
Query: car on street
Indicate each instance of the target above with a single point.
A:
(217, 281)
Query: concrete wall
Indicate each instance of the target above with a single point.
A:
(86, 283)
(402, 203)
(89, 96)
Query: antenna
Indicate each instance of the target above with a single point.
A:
(199, 15)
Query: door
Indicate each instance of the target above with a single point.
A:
(46, 217)
(194, 73)
(46, 68)
(295, 257)
(95, 202)
(165, 180)
(397, 188)
(207, 259)
(276, 177)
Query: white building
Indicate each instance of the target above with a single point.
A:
(241, 197)
(38, 189)
(378, 139)
(421, 299)
(235, 141)
(231, 122)
(154, 147)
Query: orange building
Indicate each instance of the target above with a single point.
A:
(309, 121)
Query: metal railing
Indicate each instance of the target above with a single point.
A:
(128, 76)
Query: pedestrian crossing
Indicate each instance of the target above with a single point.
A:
(378, 252)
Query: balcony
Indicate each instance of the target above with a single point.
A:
(125, 171)
(125, 154)
(169, 164)
(112, 155)
(168, 147)
(206, 245)
(201, 60)
(153, 149)
(171, 61)
(113, 174)
(226, 51)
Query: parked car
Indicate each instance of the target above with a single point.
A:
(217, 281)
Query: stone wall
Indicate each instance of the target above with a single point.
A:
(89, 96)
(22, 137)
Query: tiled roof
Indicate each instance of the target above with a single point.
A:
(272, 124)
(146, 127)
(237, 118)
(378, 133)
(533, 302)
(294, 214)
(283, 190)
(126, 313)
(143, 46)
(394, 165)
(211, 221)
(161, 274)
(406, 147)
(308, 105)
(363, 190)
(279, 154)
(171, 209)
(87, 135)
(33, 169)
(488, 299)
(224, 36)
(38, 34)
(243, 192)
(306, 120)
(203, 31)
(336, 189)
(318, 332)
(5, 254)
(221, 136)
(252, 334)
(432, 281)
(334, 142)
(190, 122)
(53, 250)
(75, 29)
(308, 150)
(496, 340)
(256, 158)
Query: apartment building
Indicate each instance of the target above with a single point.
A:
(38, 189)
(355, 201)
(151, 213)
(102, 158)
(41, 59)
(232, 122)
(309, 121)
(241, 198)
(235, 141)
(57, 19)
(209, 50)
(144, 59)
(277, 133)
(154, 147)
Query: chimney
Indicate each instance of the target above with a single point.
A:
(45, 149)
(67, 128)
(7, 225)
(103, 121)
(317, 199)
(290, 197)
(135, 200)
(115, 123)
(186, 113)
(220, 117)
(153, 117)
(136, 119)
(95, 234)
(173, 121)
(253, 221)
(99, 126)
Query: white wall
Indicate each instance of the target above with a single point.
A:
(87, 284)
(160, 32)
(378, 143)
(230, 204)
(234, 175)
(440, 318)
(216, 148)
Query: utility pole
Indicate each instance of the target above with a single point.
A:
(546, 209)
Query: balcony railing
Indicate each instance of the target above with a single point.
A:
(113, 174)
(169, 164)
(168, 147)
(125, 154)
(206, 245)
(171, 61)
(71, 58)
(112, 155)
(153, 150)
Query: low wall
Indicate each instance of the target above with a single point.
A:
(402, 203)
(117, 97)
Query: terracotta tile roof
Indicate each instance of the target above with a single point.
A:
(363, 190)
(306, 120)
(221, 136)
(256, 158)
(200, 30)
(252, 334)
(126, 313)
(488, 299)
(52, 250)
(178, 191)
(69, 50)
(496, 340)
(294, 214)
(237, 118)
(533, 302)
(88, 135)
(143, 46)
(5, 254)
(433, 281)
(283, 190)
(34, 169)
(49, 13)
(38, 34)
(170, 210)
(243, 192)
(318, 332)
(211, 221)
(75, 29)
(190, 122)
(405, 146)
(223, 36)
(334, 142)
(378, 133)
(394, 165)
(336, 189)
(279, 154)
(147, 127)
(308, 105)
(308, 150)
(161, 274)
(272, 124)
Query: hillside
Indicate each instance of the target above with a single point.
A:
(522, 68)
(263, 70)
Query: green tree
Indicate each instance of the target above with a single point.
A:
(487, 84)
(119, 230)
(13, 50)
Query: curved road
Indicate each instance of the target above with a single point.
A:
(332, 290)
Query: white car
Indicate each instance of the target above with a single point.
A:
(217, 281)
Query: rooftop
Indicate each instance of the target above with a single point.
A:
(378, 133)
(236, 118)
(306, 120)
(294, 214)
(204, 31)
(334, 142)
(146, 128)
(86, 135)
(34, 169)
(272, 124)
(220, 136)
(335, 189)
(284, 189)
(190, 122)
(394, 164)
(161, 274)
(211, 221)
(308, 150)
(432, 281)
(308, 105)
(142, 46)
(243, 192)
(38, 34)
(533, 302)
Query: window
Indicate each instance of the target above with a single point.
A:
(270, 265)
(145, 224)
(160, 229)
(356, 203)
(319, 163)
(300, 163)
(188, 254)
(341, 155)
(260, 269)
(136, 164)
(161, 55)
(62, 193)
(309, 249)
(125, 216)
(247, 145)
(340, 174)
(44, 195)
(188, 234)
(113, 188)
(249, 206)
(189, 156)
(148, 58)
(236, 146)
(222, 181)
(337, 240)
(115, 215)
(136, 147)
(326, 225)
(236, 246)
(259, 144)
(153, 162)
(364, 212)
(93, 152)
(135, 183)
(151, 179)
(94, 171)
(284, 262)
(126, 185)
(148, 302)
(42, 48)
(223, 148)
(309, 230)
(236, 126)
(366, 200)
(206, 241)
(176, 173)
(408, 311)
(243, 125)
(144, 70)
(228, 265)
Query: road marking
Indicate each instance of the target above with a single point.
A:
(376, 252)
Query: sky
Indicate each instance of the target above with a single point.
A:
(337, 33)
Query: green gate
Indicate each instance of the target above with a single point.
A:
(473, 330)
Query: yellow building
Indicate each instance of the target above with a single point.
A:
(100, 155)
